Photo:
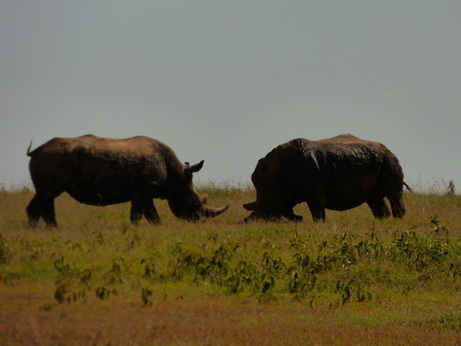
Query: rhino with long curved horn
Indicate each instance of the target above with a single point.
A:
(102, 171)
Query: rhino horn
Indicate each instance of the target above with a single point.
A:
(209, 212)
(250, 206)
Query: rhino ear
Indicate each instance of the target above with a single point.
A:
(194, 168)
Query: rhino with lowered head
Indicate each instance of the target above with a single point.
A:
(337, 173)
(102, 171)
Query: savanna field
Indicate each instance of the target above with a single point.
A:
(97, 280)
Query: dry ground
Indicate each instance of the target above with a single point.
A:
(201, 321)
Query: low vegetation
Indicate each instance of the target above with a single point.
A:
(352, 279)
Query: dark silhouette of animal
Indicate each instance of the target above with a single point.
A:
(102, 171)
(337, 173)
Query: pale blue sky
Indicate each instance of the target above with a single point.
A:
(227, 81)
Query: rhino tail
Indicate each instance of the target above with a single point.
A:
(408, 187)
(29, 153)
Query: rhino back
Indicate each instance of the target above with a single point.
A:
(102, 171)
(345, 172)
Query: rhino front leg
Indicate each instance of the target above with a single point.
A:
(151, 213)
(290, 215)
(142, 205)
(137, 208)
(252, 217)
(379, 208)
(135, 213)
(318, 212)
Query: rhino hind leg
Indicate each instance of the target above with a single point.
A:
(42, 206)
(49, 214)
(398, 209)
(379, 208)
(33, 211)
(318, 212)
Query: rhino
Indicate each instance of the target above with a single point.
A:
(102, 171)
(337, 173)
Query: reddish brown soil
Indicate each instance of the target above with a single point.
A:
(29, 317)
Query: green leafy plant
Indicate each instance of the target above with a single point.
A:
(149, 269)
(241, 277)
(352, 291)
(422, 251)
(72, 284)
(104, 292)
(114, 274)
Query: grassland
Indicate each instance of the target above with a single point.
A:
(351, 280)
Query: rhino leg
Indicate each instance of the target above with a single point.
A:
(379, 208)
(41, 206)
(252, 217)
(49, 214)
(255, 216)
(142, 205)
(318, 212)
(151, 213)
(290, 215)
(398, 209)
(137, 209)
(135, 215)
(33, 211)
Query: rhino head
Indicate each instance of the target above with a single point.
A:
(273, 202)
(186, 203)
(268, 212)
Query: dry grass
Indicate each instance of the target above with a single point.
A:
(197, 319)
(202, 320)
(187, 312)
